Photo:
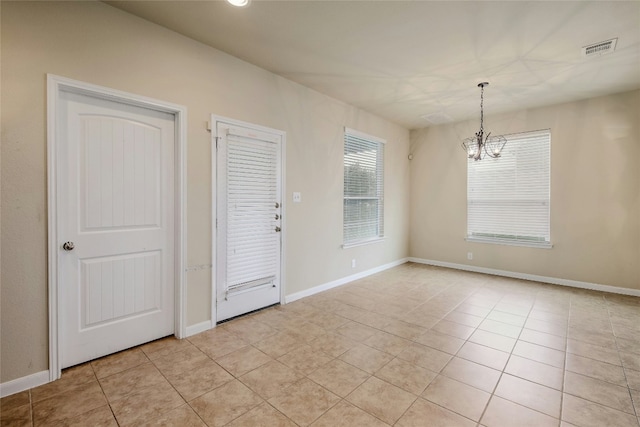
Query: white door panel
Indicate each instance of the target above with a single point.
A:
(249, 219)
(116, 198)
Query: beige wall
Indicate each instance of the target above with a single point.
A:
(95, 43)
(595, 193)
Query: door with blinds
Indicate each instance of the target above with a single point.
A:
(248, 218)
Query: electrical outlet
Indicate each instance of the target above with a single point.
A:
(297, 197)
(469, 255)
(353, 263)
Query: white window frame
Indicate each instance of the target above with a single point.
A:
(497, 199)
(350, 135)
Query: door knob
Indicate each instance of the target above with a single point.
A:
(278, 229)
(68, 246)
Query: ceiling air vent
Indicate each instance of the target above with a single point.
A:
(599, 49)
(437, 118)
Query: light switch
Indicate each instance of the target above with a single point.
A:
(297, 197)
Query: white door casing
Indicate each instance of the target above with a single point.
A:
(249, 218)
(117, 195)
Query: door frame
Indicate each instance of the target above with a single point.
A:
(215, 120)
(55, 86)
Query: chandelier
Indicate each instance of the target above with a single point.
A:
(491, 145)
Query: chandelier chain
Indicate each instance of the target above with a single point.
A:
(482, 109)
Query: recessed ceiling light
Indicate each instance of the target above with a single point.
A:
(239, 3)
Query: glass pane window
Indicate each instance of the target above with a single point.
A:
(508, 198)
(363, 207)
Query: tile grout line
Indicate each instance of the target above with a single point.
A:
(503, 370)
(31, 417)
(466, 340)
(104, 394)
(624, 371)
(564, 365)
(170, 383)
(602, 380)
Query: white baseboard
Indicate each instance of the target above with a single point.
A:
(199, 327)
(533, 277)
(208, 324)
(24, 383)
(339, 282)
(39, 378)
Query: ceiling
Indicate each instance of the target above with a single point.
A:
(417, 63)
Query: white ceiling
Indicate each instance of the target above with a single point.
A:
(404, 60)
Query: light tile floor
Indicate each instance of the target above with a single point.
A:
(411, 346)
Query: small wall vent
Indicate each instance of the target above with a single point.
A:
(599, 49)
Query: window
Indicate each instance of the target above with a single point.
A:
(508, 197)
(363, 206)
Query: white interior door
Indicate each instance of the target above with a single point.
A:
(249, 219)
(115, 187)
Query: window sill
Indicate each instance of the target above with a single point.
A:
(362, 242)
(541, 245)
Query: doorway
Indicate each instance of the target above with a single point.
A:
(248, 232)
(115, 221)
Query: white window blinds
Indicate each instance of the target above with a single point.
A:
(363, 188)
(252, 245)
(508, 197)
